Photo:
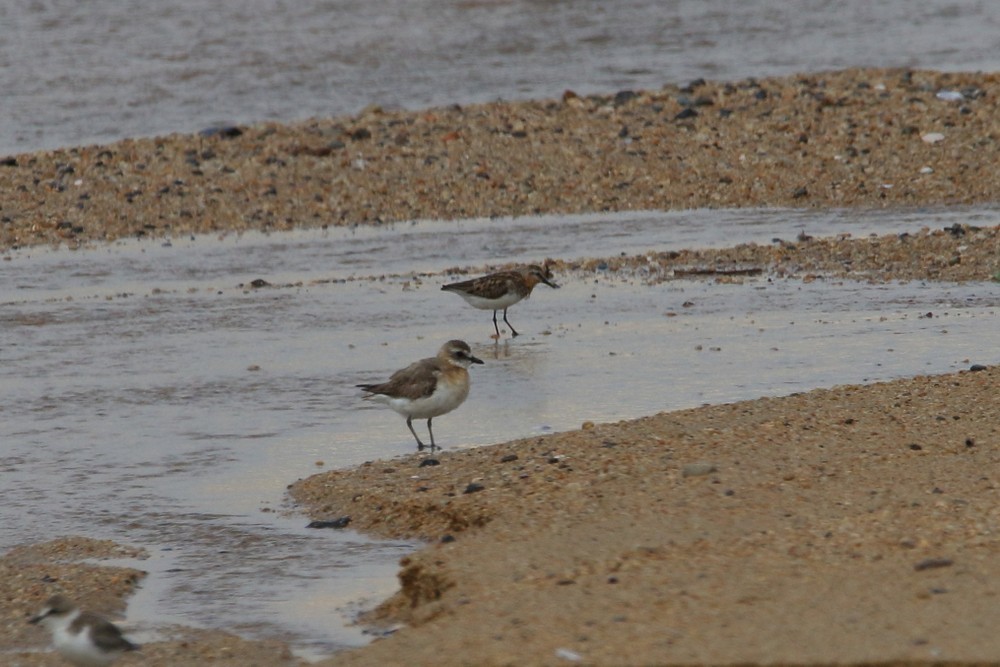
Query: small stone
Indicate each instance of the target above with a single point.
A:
(933, 564)
(566, 654)
(474, 488)
(508, 458)
(950, 95)
(339, 522)
(698, 469)
(429, 462)
(225, 131)
(624, 96)
(587, 425)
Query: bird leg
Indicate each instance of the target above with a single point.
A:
(513, 332)
(496, 326)
(420, 445)
(433, 446)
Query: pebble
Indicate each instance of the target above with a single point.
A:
(566, 654)
(698, 469)
(339, 522)
(933, 564)
(950, 95)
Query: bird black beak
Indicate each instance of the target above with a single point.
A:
(475, 360)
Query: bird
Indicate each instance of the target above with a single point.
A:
(502, 290)
(83, 638)
(427, 388)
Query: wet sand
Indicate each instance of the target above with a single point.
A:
(857, 524)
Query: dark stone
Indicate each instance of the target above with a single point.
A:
(693, 85)
(340, 522)
(508, 458)
(933, 564)
(429, 462)
(224, 131)
(474, 488)
(686, 113)
(624, 96)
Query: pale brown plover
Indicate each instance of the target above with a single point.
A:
(85, 639)
(427, 388)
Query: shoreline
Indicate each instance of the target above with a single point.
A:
(526, 576)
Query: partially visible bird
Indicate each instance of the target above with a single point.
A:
(428, 388)
(85, 639)
(502, 290)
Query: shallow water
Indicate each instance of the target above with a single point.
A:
(98, 71)
(149, 396)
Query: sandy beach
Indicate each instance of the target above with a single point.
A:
(852, 525)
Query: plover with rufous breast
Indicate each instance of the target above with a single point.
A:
(502, 290)
(428, 388)
(85, 639)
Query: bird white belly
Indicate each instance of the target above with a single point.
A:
(446, 397)
(80, 651)
(505, 301)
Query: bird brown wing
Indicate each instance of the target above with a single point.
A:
(417, 380)
(492, 286)
(105, 634)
